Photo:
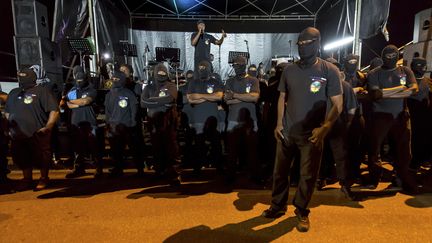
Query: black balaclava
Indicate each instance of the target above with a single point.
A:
(204, 73)
(252, 70)
(26, 79)
(189, 76)
(81, 80)
(375, 62)
(390, 56)
(350, 64)
(308, 46)
(239, 66)
(418, 66)
(119, 79)
(161, 73)
(77, 69)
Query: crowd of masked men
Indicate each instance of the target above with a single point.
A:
(227, 125)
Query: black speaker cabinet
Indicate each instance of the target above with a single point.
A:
(30, 18)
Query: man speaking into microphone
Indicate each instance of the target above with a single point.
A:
(201, 41)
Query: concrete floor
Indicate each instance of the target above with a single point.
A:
(142, 210)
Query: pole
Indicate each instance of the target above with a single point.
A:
(93, 32)
(357, 44)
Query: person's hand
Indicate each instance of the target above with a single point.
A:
(224, 35)
(44, 130)
(318, 135)
(278, 132)
(194, 96)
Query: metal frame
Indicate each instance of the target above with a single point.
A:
(228, 14)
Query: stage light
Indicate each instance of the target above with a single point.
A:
(106, 56)
(339, 43)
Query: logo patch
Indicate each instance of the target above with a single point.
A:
(210, 88)
(207, 42)
(248, 87)
(28, 99)
(316, 85)
(163, 92)
(402, 79)
(123, 103)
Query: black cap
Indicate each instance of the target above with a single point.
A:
(200, 22)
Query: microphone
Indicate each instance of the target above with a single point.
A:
(246, 41)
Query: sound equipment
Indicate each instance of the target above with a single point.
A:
(30, 18)
(422, 26)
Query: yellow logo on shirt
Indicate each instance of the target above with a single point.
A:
(315, 87)
(123, 103)
(28, 99)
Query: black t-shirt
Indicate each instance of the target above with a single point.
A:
(84, 113)
(381, 79)
(29, 110)
(202, 48)
(307, 95)
(349, 100)
(121, 107)
(166, 92)
(200, 112)
(242, 86)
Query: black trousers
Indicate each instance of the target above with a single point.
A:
(398, 131)
(310, 158)
(4, 142)
(208, 147)
(33, 151)
(85, 142)
(242, 145)
(421, 135)
(121, 136)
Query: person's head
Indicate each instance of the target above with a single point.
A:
(77, 69)
(390, 56)
(309, 45)
(26, 78)
(334, 62)
(200, 25)
(161, 73)
(351, 63)
(81, 80)
(127, 70)
(41, 76)
(418, 66)
(252, 70)
(118, 79)
(375, 62)
(189, 75)
(204, 70)
(211, 57)
(239, 65)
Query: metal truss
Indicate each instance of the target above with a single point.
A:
(228, 14)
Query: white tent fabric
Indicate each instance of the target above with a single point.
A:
(262, 48)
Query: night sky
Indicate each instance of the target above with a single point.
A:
(400, 26)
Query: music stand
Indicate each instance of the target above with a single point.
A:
(128, 50)
(171, 55)
(82, 47)
(233, 54)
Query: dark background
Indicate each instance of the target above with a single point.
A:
(400, 26)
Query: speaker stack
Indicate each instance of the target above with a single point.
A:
(31, 40)
(422, 39)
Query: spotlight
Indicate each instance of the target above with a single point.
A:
(339, 43)
(106, 56)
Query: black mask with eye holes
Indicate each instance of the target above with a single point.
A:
(390, 56)
(308, 46)
(204, 70)
(418, 66)
(26, 79)
(350, 64)
(161, 73)
(239, 66)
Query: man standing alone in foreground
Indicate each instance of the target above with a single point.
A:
(306, 87)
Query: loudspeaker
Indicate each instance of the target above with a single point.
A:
(420, 49)
(422, 26)
(39, 50)
(30, 18)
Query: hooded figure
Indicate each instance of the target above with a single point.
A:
(239, 66)
(161, 73)
(189, 76)
(252, 71)
(26, 78)
(351, 64)
(390, 56)
(81, 80)
(308, 46)
(119, 80)
(204, 70)
(418, 66)
(41, 76)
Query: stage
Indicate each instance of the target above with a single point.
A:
(133, 209)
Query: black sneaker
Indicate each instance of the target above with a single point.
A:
(272, 213)
(348, 193)
(75, 173)
(303, 224)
